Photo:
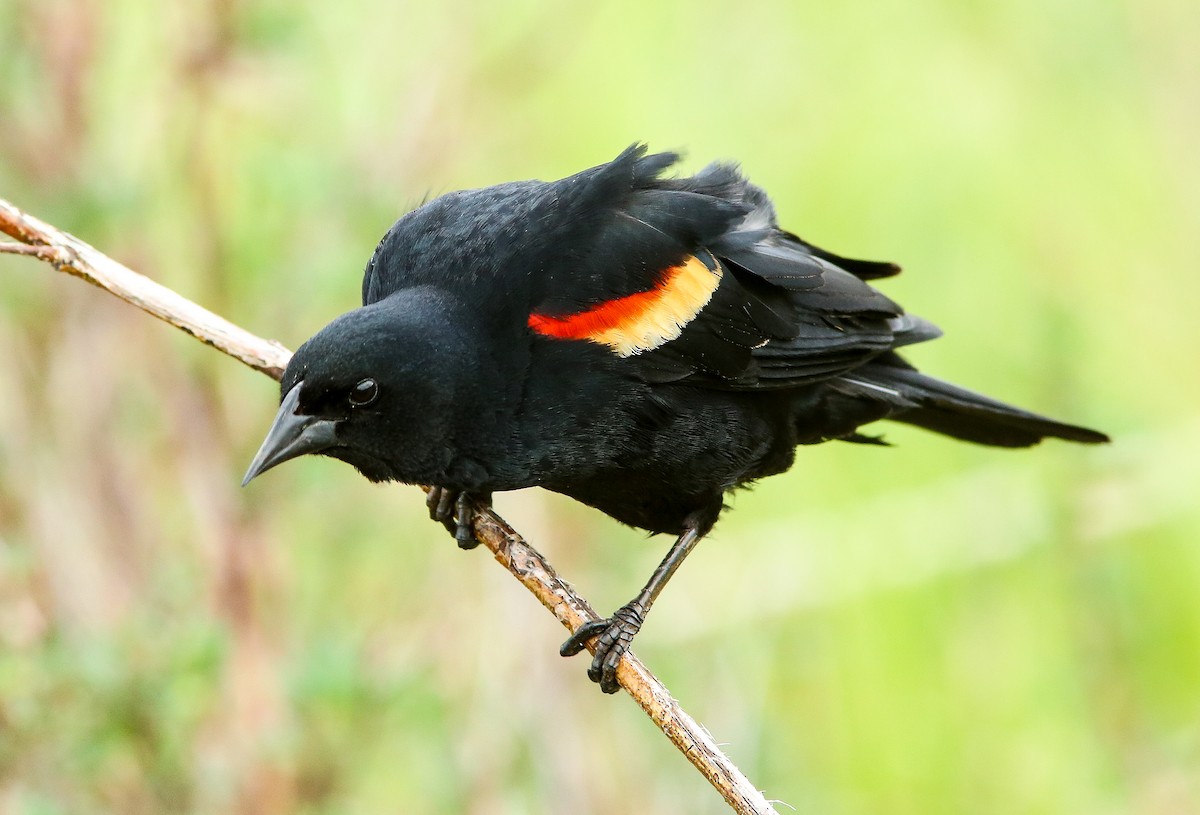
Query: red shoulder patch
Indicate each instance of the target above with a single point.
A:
(644, 320)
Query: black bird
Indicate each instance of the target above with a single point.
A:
(643, 344)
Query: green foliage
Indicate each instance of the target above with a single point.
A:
(929, 628)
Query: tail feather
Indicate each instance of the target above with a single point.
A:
(963, 414)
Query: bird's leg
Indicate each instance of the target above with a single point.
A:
(617, 632)
(455, 510)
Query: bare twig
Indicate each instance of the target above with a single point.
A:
(71, 255)
(46, 253)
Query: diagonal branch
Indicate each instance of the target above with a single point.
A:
(68, 254)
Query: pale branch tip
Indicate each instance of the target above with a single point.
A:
(69, 254)
(46, 253)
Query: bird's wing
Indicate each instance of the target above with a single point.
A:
(692, 279)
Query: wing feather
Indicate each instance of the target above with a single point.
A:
(781, 312)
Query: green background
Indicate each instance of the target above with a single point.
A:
(931, 628)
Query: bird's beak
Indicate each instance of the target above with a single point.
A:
(293, 434)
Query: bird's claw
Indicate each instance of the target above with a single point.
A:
(454, 510)
(614, 636)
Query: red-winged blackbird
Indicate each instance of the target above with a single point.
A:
(642, 344)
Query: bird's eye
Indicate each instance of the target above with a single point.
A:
(364, 393)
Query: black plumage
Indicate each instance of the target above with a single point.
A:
(642, 344)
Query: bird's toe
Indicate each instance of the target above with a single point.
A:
(578, 641)
(456, 510)
(464, 530)
(614, 636)
(441, 501)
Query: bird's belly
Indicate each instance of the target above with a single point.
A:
(650, 456)
(641, 500)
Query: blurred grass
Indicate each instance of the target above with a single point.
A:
(929, 628)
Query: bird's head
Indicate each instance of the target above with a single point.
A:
(377, 389)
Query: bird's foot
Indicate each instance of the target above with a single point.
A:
(614, 636)
(455, 510)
